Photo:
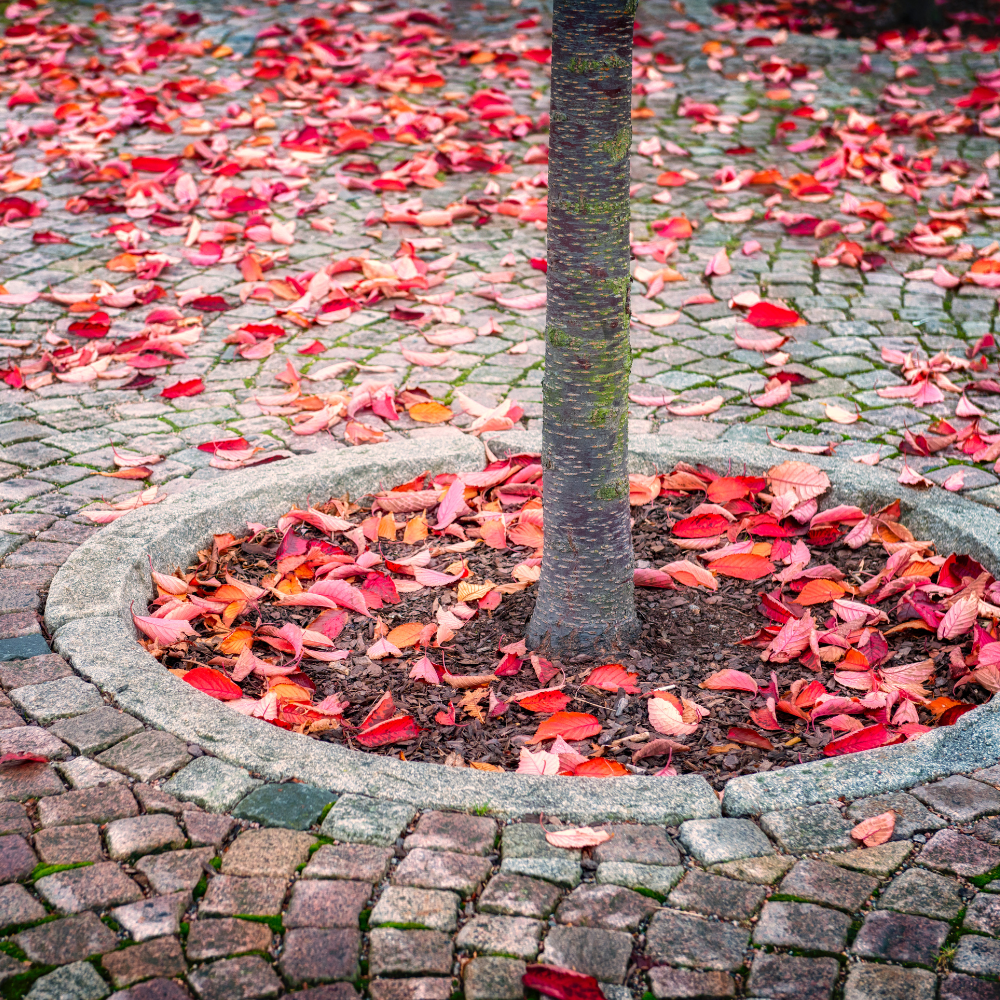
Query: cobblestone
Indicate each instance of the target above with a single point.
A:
(517, 937)
(359, 862)
(786, 976)
(226, 936)
(95, 887)
(802, 926)
(442, 870)
(70, 939)
(693, 941)
(253, 897)
(898, 937)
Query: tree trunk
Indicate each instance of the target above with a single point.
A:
(586, 600)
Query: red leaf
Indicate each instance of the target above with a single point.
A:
(391, 731)
(750, 738)
(314, 348)
(213, 683)
(155, 164)
(210, 303)
(229, 444)
(730, 680)
(599, 767)
(383, 709)
(766, 314)
(509, 666)
(948, 717)
(14, 759)
(863, 739)
(545, 701)
(190, 388)
(700, 526)
(648, 577)
(561, 984)
(568, 725)
(611, 677)
(49, 237)
(734, 488)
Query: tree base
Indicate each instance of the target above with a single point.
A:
(557, 641)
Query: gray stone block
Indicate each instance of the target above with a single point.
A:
(147, 756)
(211, 784)
(97, 730)
(59, 699)
(712, 841)
(79, 981)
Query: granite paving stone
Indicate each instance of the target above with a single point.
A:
(33, 740)
(818, 882)
(153, 800)
(58, 699)
(82, 772)
(246, 978)
(693, 941)
(716, 895)
(208, 938)
(923, 894)
(97, 730)
(175, 871)
(327, 903)
(438, 869)
(67, 845)
(69, 939)
(911, 815)
(267, 853)
(899, 937)
(983, 915)
(136, 835)
(359, 862)
(680, 984)
(712, 841)
(78, 981)
(418, 988)
(953, 853)
(34, 670)
(154, 989)
(95, 887)
(516, 937)
(433, 909)
(157, 916)
(492, 978)
(292, 805)
(159, 957)
(978, 956)
(147, 755)
(561, 871)
(14, 819)
(11, 967)
(18, 906)
(315, 955)
(527, 840)
(89, 805)
(956, 986)
(592, 951)
(808, 829)
(960, 799)
(644, 845)
(880, 861)
(887, 982)
(17, 859)
(409, 952)
(514, 896)
(206, 829)
(803, 926)
(789, 977)
(29, 781)
(228, 896)
(359, 819)
(447, 831)
(760, 871)
(211, 784)
(655, 879)
(610, 907)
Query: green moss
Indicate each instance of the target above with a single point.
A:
(617, 148)
(273, 922)
(981, 880)
(612, 491)
(216, 863)
(17, 986)
(582, 64)
(41, 869)
(9, 948)
(326, 809)
(201, 888)
(363, 920)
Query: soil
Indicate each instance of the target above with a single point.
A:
(687, 635)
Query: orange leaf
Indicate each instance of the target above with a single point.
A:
(579, 836)
(213, 683)
(430, 413)
(730, 680)
(568, 725)
(819, 592)
(545, 701)
(406, 635)
(745, 566)
(804, 480)
(416, 531)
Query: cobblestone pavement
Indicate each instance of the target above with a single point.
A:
(136, 863)
(133, 862)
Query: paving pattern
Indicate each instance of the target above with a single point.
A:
(132, 862)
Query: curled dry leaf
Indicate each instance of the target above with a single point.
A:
(876, 829)
(578, 836)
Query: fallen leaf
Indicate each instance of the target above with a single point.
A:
(577, 836)
(876, 829)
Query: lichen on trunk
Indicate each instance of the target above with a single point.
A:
(585, 604)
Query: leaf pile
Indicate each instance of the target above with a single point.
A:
(355, 623)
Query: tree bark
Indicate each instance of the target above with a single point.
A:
(586, 600)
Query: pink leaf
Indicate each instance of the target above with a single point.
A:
(342, 593)
(165, 631)
(540, 762)
(875, 830)
(424, 670)
(719, 264)
(697, 409)
(776, 393)
(960, 617)
(577, 836)
(426, 360)
(452, 504)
